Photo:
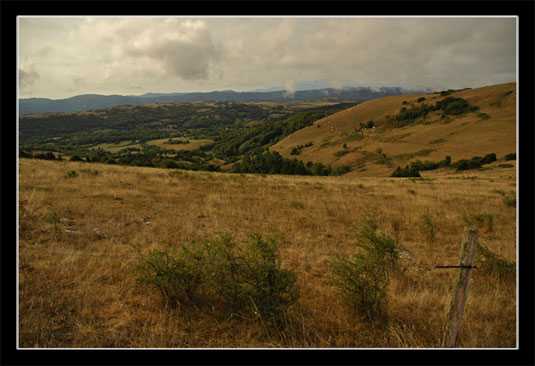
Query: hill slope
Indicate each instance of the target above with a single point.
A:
(490, 129)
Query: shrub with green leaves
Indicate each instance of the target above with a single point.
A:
(248, 279)
(511, 156)
(176, 275)
(360, 284)
(361, 279)
(245, 279)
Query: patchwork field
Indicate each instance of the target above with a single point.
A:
(82, 227)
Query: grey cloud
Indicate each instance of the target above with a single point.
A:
(27, 78)
(183, 49)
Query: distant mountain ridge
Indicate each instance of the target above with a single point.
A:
(95, 101)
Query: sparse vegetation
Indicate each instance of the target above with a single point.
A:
(483, 116)
(427, 227)
(341, 153)
(361, 280)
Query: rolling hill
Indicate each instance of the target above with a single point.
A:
(378, 151)
(94, 101)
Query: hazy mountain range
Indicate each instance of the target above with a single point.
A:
(95, 101)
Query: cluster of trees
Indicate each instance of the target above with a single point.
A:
(475, 163)
(455, 106)
(449, 106)
(413, 169)
(269, 163)
(273, 163)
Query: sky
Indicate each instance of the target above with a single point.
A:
(60, 57)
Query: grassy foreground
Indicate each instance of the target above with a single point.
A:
(105, 216)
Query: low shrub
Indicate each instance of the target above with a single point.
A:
(341, 170)
(177, 276)
(483, 116)
(249, 279)
(360, 284)
(511, 156)
(245, 279)
(341, 152)
(427, 227)
(71, 174)
(361, 279)
(491, 264)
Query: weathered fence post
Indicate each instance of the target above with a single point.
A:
(460, 288)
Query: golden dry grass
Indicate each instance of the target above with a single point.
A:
(463, 137)
(89, 298)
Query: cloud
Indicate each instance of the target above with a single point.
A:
(27, 78)
(169, 47)
(28, 75)
(290, 88)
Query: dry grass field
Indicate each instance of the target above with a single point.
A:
(80, 233)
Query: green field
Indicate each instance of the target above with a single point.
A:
(192, 145)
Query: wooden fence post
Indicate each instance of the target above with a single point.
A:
(460, 288)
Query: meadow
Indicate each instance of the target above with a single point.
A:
(83, 226)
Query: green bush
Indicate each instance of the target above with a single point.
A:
(455, 106)
(245, 279)
(361, 279)
(360, 284)
(249, 279)
(511, 156)
(178, 276)
(71, 174)
(483, 116)
(75, 158)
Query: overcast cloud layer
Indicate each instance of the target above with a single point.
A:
(62, 57)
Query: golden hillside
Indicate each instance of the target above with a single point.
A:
(431, 139)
